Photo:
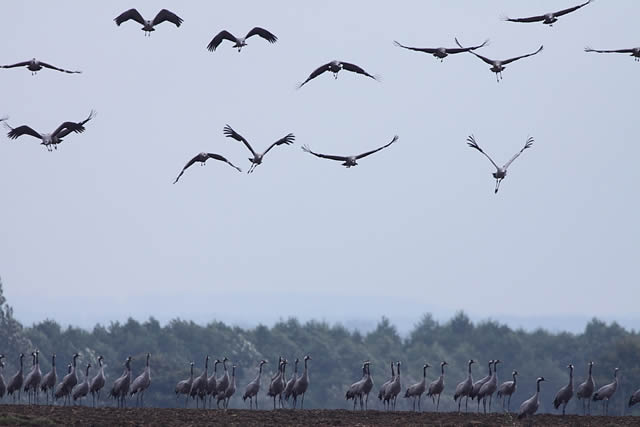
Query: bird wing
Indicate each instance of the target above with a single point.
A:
(471, 142)
(306, 149)
(484, 58)
(529, 19)
(354, 68)
(418, 49)
(166, 15)
(67, 127)
(507, 61)
(21, 130)
(197, 158)
(129, 14)
(288, 139)
(528, 144)
(44, 64)
(571, 9)
(230, 133)
(17, 64)
(315, 73)
(466, 49)
(222, 35)
(360, 156)
(223, 159)
(588, 49)
(257, 31)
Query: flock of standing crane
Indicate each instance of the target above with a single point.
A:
(481, 390)
(204, 388)
(50, 141)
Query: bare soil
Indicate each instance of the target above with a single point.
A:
(78, 415)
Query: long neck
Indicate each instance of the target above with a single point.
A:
(148, 360)
(398, 370)
(469, 368)
(514, 379)
(570, 375)
(537, 387)
(86, 375)
(590, 368)
(260, 370)
(424, 372)
(393, 374)
(224, 365)
(305, 365)
(441, 369)
(191, 371)
(490, 369)
(215, 368)
(233, 372)
(53, 361)
(295, 368)
(206, 365)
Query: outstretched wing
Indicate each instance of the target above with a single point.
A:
(528, 144)
(230, 133)
(507, 61)
(354, 68)
(67, 127)
(288, 139)
(306, 149)
(529, 19)
(166, 15)
(197, 158)
(417, 49)
(222, 35)
(257, 31)
(571, 9)
(315, 73)
(222, 159)
(471, 142)
(588, 49)
(21, 130)
(360, 156)
(18, 64)
(129, 14)
(200, 157)
(484, 58)
(44, 64)
(466, 49)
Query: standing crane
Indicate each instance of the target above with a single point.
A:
(606, 392)
(464, 389)
(507, 388)
(418, 389)
(252, 389)
(141, 383)
(437, 386)
(586, 389)
(97, 383)
(565, 394)
(302, 384)
(530, 406)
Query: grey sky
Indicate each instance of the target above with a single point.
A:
(414, 228)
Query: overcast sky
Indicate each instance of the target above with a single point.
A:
(412, 229)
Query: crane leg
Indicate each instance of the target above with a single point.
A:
(509, 404)
(438, 405)
(490, 398)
